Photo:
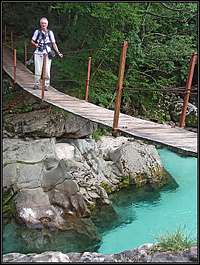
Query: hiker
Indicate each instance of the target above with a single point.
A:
(43, 40)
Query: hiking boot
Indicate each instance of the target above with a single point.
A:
(36, 87)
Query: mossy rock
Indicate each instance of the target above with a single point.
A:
(157, 179)
(9, 208)
(161, 179)
(124, 182)
(160, 176)
(106, 187)
(58, 111)
(140, 179)
(91, 206)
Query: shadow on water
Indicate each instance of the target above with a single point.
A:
(147, 194)
(171, 184)
(19, 238)
(105, 218)
(121, 212)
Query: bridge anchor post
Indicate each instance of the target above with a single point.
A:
(119, 88)
(187, 90)
(5, 32)
(11, 40)
(25, 53)
(88, 79)
(14, 66)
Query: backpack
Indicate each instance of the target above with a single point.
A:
(39, 32)
(52, 53)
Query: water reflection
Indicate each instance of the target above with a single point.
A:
(19, 238)
(107, 218)
(125, 202)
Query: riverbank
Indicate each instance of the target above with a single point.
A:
(140, 254)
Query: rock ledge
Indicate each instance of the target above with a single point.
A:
(140, 254)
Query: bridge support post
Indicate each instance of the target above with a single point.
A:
(5, 34)
(14, 66)
(44, 74)
(25, 53)
(119, 88)
(11, 40)
(187, 90)
(88, 79)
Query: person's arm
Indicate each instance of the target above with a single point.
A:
(35, 44)
(54, 44)
(56, 49)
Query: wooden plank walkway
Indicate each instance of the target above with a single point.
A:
(176, 138)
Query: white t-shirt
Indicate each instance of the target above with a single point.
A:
(42, 41)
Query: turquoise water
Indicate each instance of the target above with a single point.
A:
(153, 213)
(139, 216)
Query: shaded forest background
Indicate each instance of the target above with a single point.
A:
(161, 39)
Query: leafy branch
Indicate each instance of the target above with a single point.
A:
(174, 9)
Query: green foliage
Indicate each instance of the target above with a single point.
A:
(23, 108)
(99, 93)
(106, 187)
(8, 97)
(176, 241)
(59, 111)
(8, 204)
(96, 135)
(191, 121)
(7, 89)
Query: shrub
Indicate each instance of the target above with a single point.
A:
(176, 241)
(99, 133)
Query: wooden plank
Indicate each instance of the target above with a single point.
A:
(190, 150)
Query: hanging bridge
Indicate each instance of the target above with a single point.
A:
(176, 138)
